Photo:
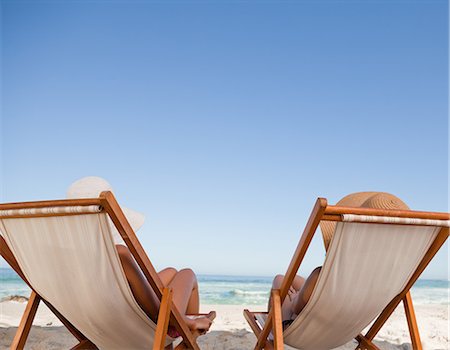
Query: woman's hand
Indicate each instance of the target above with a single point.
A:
(291, 293)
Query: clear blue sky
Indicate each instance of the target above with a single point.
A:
(224, 121)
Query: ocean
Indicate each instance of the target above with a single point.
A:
(242, 290)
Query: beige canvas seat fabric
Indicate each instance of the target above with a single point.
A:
(71, 261)
(366, 266)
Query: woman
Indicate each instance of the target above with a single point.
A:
(183, 283)
(301, 290)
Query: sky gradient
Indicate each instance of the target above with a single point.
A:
(223, 121)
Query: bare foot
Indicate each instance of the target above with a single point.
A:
(200, 325)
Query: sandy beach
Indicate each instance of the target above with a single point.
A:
(230, 331)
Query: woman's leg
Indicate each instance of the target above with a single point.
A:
(305, 293)
(288, 304)
(185, 297)
(141, 289)
(297, 284)
(167, 275)
(193, 306)
(183, 283)
(185, 292)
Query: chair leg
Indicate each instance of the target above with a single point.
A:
(25, 323)
(412, 322)
(163, 320)
(365, 344)
(277, 326)
(250, 317)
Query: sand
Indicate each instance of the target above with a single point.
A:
(230, 331)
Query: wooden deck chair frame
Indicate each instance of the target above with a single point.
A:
(167, 312)
(323, 211)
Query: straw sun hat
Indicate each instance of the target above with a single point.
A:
(91, 187)
(375, 200)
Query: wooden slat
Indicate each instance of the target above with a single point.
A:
(329, 217)
(277, 328)
(412, 322)
(26, 322)
(338, 210)
(53, 203)
(163, 320)
(305, 240)
(365, 344)
(387, 312)
(250, 317)
(45, 215)
(83, 202)
(339, 218)
(118, 217)
(302, 246)
(116, 214)
(181, 346)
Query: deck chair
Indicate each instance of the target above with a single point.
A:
(373, 259)
(65, 252)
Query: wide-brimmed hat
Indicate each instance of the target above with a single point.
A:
(92, 186)
(375, 200)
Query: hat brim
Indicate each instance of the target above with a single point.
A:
(379, 200)
(351, 200)
(135, 218)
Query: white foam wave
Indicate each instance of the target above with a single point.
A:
(249, 293)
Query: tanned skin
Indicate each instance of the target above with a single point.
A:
(183, 284)
(298, 295)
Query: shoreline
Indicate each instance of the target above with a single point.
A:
(231, 331)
